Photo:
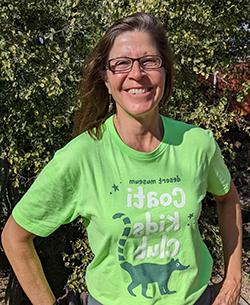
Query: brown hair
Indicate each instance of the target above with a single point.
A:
(94, 95)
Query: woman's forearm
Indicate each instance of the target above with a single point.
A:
(229, 215)
(19, 248)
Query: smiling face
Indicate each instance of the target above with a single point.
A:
(136, 93)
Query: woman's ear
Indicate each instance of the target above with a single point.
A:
(106, 81)
(108, 85)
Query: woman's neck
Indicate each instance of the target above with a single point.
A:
(142, 134)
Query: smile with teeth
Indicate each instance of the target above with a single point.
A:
(138, 91)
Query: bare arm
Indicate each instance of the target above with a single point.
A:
(19, 248)
(229, 215)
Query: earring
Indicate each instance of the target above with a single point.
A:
(110, 103)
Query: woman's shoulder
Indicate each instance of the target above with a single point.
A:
(78, 144)
(183, 132)
(77, 150)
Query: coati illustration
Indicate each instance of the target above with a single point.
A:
(145, 273)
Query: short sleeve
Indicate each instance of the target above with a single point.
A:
(50, 201)
(218, 179)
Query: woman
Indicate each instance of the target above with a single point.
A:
(138, 179)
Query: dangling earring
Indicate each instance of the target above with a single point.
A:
(110, 103)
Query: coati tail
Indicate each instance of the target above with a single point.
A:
(125, 234)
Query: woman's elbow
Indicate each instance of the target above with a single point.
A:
(13, 234)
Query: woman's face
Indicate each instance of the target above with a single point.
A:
(136, 93)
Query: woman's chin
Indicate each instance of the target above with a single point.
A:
(140, 110)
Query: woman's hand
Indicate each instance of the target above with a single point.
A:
(229, 293)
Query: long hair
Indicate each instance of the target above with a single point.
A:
(94, 95)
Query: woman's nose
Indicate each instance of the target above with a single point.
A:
(136, 70)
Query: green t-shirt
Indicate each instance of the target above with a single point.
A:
(141, 211)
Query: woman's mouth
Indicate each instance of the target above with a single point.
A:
(138, 90)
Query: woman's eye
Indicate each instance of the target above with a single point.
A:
(149, 62)
(122, 63)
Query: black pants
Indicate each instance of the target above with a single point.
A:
(208, 295)
(92, 301)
